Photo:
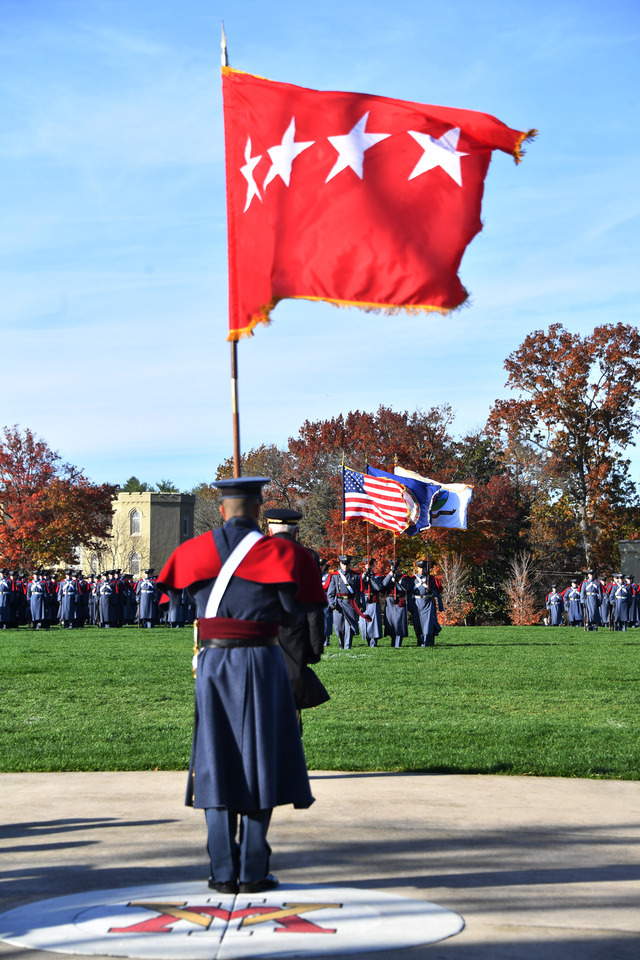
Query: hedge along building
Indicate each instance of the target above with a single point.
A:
(145, 530)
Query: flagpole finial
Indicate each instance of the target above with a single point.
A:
(223, 44)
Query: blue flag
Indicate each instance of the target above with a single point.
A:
(423, 493)
(449, 509)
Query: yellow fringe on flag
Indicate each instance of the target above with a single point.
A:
(264, 317)
(518, 153)
(388, 310)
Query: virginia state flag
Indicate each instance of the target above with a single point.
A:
(350, 198)
(423, 493)
(449, 508)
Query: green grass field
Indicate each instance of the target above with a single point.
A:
(510, 700)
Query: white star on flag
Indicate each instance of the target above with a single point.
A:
(283, 155)
(352, 147)
(442, 152)
(247, 173)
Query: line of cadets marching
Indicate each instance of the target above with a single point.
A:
(356, 600)
(593, 603)
(108, 600)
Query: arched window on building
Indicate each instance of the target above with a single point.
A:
(134, 564)
(186, 526)
(94, 563)
(135, 518)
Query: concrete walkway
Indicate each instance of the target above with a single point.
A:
(540, 869)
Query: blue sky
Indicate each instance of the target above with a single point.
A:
(113, 314)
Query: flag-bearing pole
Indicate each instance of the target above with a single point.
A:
(343, 516)
(235, 414)
(235, 410)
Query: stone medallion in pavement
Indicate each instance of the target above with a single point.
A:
(188, 920)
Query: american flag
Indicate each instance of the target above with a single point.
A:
(375, 499)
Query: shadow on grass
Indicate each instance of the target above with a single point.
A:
(506, 769)
(444, 644)
(507, 643)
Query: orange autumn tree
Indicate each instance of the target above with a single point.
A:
(267, 460)
(569, 426)
(47, 507)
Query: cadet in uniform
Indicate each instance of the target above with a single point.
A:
(605, 606)
(129, 605)
(52, 597)
(342, 596)
(82, 608)
(618, 604)
(573, 605)
(370, 587)
(37, 599)
(93, 600)
(591, 597)
(395, 608)
(5, 601)
(328, 612)
(108, 600)
(619, 598)
(555, 606)
(67, 601)
(424, 601)
(146, 594)
(247, 753)
(19, 610)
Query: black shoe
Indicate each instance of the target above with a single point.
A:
(229, 886)
(257, 886)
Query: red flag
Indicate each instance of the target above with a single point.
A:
(350, 198)
(383, 502)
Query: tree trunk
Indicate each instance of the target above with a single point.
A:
(582, 511)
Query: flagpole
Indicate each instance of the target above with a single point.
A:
(235, 408)
(235, 413)
(343, 518)
(395, 464)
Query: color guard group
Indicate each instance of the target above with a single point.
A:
(376, 605)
